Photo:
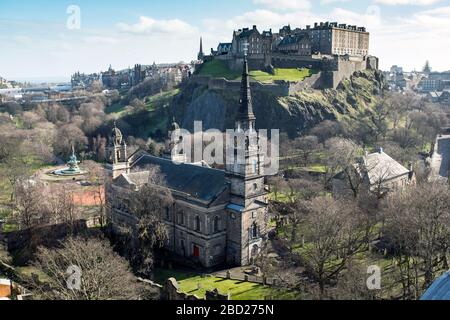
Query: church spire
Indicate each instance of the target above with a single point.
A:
(246, 107)
(201, 55)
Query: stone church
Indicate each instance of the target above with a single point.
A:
(217, 216)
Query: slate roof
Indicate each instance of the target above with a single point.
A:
(292, 39)
(225, 46)
(381, 167)
(246, 32)
(439, 290)
(200, 182)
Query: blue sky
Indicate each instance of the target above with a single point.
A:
(36, 43)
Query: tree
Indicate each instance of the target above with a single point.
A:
(148, 204)
(100, 179)
(341, 155)
(417, 227)
(29, 209)
(103, 274)
(334, 232)
(69, 135)
(306, 147)
(327, 129)
(61, 206)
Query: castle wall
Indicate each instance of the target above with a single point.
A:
(332, 70)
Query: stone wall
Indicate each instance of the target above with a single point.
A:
(333, 69)
(278, 88)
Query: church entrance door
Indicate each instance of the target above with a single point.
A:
(196, 252)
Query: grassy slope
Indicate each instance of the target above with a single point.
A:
(218, 69)
(281, 74)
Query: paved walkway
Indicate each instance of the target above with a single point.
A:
(440, 161)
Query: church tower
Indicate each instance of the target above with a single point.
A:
(247, 218)
(116, 153)
(174, 148)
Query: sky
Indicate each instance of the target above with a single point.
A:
(50, 40)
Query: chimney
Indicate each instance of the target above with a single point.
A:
(254, 27)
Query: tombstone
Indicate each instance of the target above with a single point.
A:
(246, 277)
(228, 274)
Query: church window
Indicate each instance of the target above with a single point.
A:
(255, 166)
(255, 186)
(180, 218)
(216, 224)
(197, 223)
(167, 214)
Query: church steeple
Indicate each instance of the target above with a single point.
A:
(201, 55)
(246, 107)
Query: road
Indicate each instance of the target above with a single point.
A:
(440, 161)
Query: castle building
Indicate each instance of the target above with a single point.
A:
(251, 41)
(218, 216)
(338, 39)
(296, 44)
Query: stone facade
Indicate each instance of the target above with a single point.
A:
(217, 216)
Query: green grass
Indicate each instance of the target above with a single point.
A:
(115, 108)
(281, 74)
(218, 69)
(191, 283)
(161, 100)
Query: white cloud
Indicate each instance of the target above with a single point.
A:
(146, 25)
(100, 40)
(332, 1)
(407, 2)
(283, 5)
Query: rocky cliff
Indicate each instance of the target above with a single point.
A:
(292, 114)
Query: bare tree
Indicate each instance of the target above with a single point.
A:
(104, 275)
(149, 204)
(335, 233)
(417, 228)
(29, 209)
(99, 178)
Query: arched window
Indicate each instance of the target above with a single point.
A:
(197, 223)
(216, 224)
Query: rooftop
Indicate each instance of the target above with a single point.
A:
(439, 290)
(381, 167)
(198, 181)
